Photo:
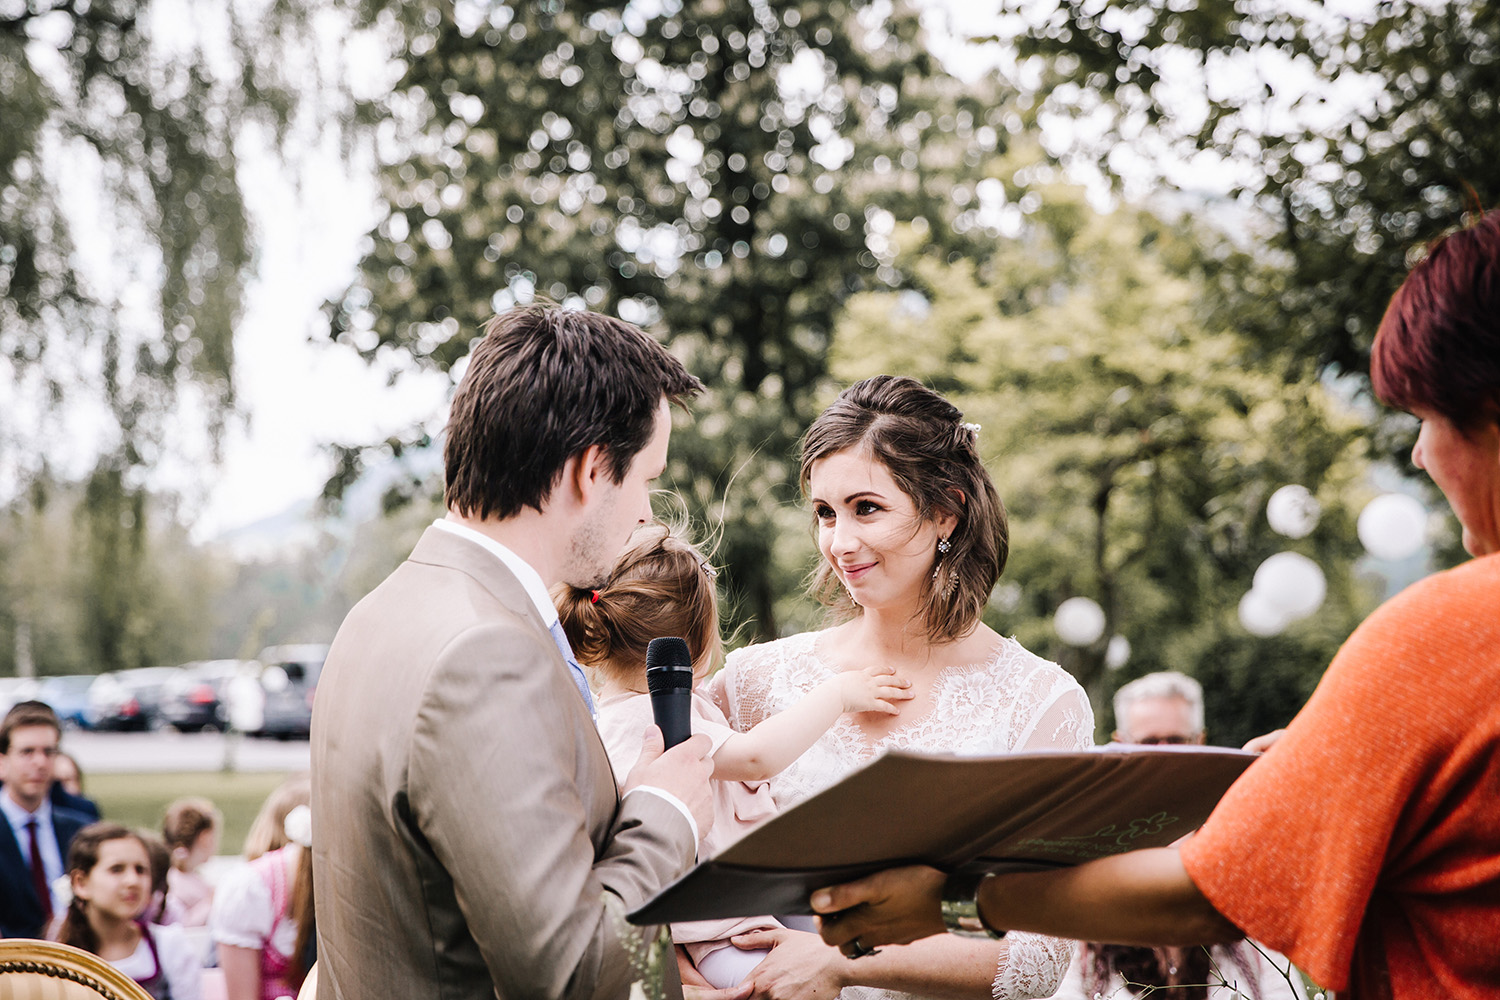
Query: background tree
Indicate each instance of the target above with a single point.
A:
(124, 252)
(725, 174)
(1357, 132)
(96, 577)
(1134, 447)
(124, 242)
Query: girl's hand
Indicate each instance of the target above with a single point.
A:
(873, 689)
(799, 967)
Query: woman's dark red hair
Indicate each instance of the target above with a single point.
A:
(1438, 347)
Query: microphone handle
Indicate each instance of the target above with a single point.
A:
(670, 710)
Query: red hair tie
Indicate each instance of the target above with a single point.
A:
(594, 599)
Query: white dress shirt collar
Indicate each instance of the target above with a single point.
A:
(531, 580)
(19, 817)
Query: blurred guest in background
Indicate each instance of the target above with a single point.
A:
(67, 775)
(67, 786)
(191, 832)
(1166, 709)
(161, 864)
(268, 829)
(109, 869)
(262, 915)
(36, 833)
(1161, 708)
(1365, 844)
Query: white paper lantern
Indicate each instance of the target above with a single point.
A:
(1260, 616)
(1117, 653)
(1293, 511)
(1393, 526)
(1293, 583)
(1079, 621)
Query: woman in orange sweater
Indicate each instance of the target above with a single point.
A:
(1365, 845)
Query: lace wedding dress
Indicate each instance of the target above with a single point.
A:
(1013, 701)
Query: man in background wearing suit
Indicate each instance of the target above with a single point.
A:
(470, 841)
(36, 833)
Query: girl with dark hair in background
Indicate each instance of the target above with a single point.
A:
(109, 868)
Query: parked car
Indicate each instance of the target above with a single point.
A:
(127, 699)
(69, 697)
(289, 677)
(193, 698)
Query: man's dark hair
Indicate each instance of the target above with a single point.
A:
(543, 385)
(27, 713)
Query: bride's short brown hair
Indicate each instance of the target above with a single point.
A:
(922, 439)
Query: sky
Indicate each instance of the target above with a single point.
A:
(298, 390)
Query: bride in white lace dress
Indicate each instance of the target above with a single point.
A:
(912, 537)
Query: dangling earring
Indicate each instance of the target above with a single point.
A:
(951, 583)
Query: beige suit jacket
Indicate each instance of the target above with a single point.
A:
(469, 838)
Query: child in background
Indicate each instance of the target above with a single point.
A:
(662, 586)
(109, 868)
(262, 919)
(191, 831)
(161, 863)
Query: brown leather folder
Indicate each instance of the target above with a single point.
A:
(1016, 812)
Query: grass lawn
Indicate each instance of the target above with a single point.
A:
(140, 800)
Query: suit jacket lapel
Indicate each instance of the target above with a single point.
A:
(441, 548)
(15, 861)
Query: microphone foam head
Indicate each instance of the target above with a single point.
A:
(668, 651)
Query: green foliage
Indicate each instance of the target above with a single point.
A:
(98, 576)
(724, 174)
(1135, 445)
(101, 577)
(1361, 133)
(124, 243)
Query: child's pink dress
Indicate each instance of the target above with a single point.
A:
(738, 805)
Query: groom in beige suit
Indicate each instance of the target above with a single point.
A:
(470, 841)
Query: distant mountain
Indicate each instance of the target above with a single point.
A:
(304, 523)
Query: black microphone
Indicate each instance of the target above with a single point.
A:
(669, 678)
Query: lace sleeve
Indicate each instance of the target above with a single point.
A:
(1032, 966)
(1064, 722)
(744, 689)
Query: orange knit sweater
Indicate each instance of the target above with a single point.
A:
(1366, 844)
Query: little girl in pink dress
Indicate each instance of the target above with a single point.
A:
(662, 586)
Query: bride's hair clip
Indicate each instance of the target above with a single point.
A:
(713, 574)
(971, 428)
